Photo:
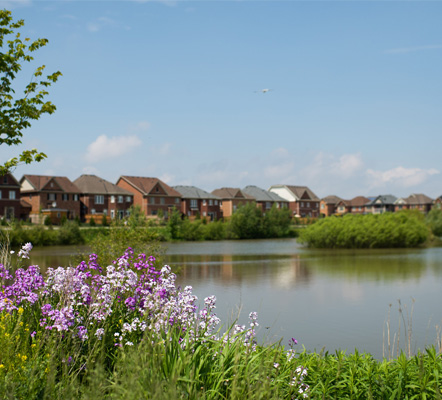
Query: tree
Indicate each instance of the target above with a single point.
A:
(17, 111)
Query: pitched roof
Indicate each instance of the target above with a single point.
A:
(38, 182)
(332, 199)
(262, 195)
(418, 198)
(145, 185)
(359, 201)
(298, 191)
(231, 193)
(92, 184)
(384, 199)
(192, 192)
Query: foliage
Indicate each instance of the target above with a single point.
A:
(136, 217)
(434, 221)
(277, 222)
(17, 112)
(389, 230)
(247, 222)
(92, 222)
(174, 223)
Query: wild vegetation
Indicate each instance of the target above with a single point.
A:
(127, 332)
(389, 230)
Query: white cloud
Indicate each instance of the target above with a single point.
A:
(403, 50)
(105, 148)
(104, 22)
(11, 4)
(167, 178)
(400, 176)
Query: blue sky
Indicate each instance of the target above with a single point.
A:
(170, 89)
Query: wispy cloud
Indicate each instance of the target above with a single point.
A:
(399, 176)
(11, 4)
(105, 148)
(104, 22)
(403, 50)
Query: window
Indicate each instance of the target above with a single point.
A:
(216, 202)
(308, 204)
(177, 200)
(120, 199)
(93, 211)
(1, 195)
(204, 214)
(112, 200)
(99, 199)
(268, 205)
(193, 203)
(12, 195)
(204, 202)
(162, 200)
(112, 214)
(75, 197)
(322, 206)
(105, 211)
(52, 196)
(128, 199)
(154, 212)
(65, 197)
(302, 204)
(211, 202)
(152, 200)
(5, 179)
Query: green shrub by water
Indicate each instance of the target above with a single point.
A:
(389, 230)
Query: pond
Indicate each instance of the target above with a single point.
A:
(331, 299)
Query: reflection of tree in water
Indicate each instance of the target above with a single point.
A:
(377, 265)
(282, 271)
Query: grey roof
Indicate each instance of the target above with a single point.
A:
(262, 195)
(92, 184)
(192, 192)
(385, 199)
(418, 198)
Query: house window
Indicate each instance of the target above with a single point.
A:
(112, 214)
(162, 200)
(75, 197)
(5, 179)
(193, 203)
(154, 212)
(268, 205)
(216, 202)
(204, 202)
(152, 200)
(65, 197)
(120, 199)
(302, 204)
(308, 204)
(93, 211)
(52, 196)
(322, 206)
(211, 202)
(99, 199)
(128, 199)
(105, 211)
(177, 200)
(1, 195)
(12, 195)
(204, 214)
(112, 200)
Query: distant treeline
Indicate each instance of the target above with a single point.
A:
(389, 230)
(248, 222)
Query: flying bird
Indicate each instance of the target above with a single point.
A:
(263, 90)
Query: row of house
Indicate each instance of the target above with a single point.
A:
(36, 197)
(334, 205)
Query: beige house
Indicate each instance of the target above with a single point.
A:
(231, 199)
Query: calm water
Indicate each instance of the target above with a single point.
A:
(332, 299)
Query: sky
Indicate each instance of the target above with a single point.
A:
(173, 90)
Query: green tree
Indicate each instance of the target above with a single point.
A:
(17, 111)
(247, 222)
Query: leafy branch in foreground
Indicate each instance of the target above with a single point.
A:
(16, 112)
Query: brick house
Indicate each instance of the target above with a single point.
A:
(195, 201)
(151, 194)
(265, 199)
(52, 196)
(381, 204)
(327, 205)
(416, 201)
(9, 197)
(437, 203)
(231, 199)
(357, 204)
(302, 201)
(102, 198)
